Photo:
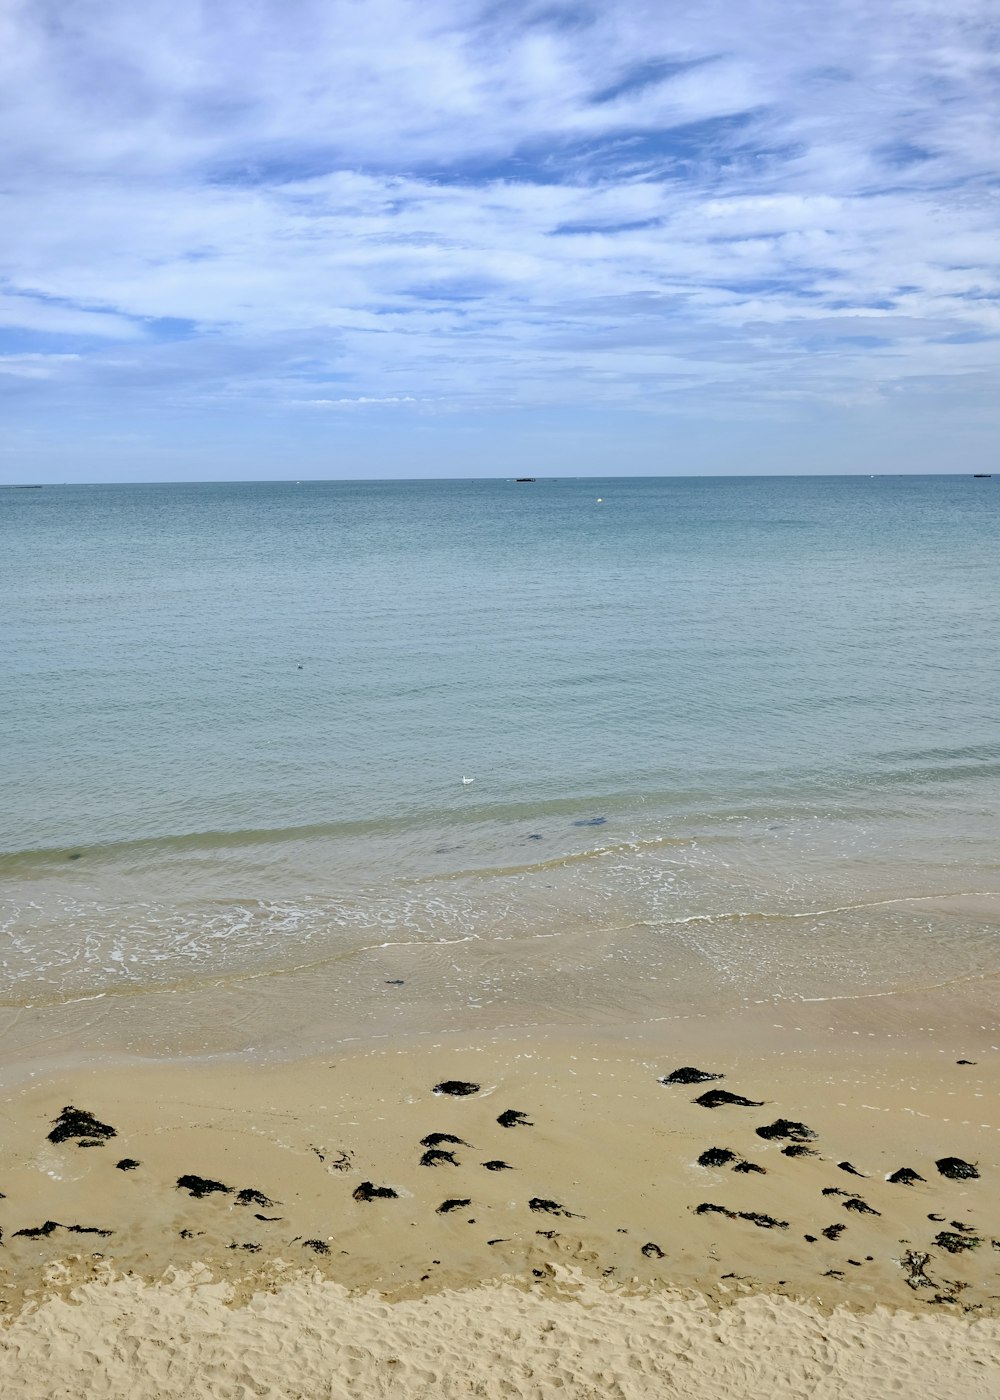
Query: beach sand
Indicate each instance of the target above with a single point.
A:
(230, 1240)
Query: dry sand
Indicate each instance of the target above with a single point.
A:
(584, 1266)
(310, 1339)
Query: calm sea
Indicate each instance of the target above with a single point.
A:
(729, 739)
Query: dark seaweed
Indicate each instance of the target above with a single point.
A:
(786, 1128)
(707, 1206)
(955, 1169)
(36, 1232)
(653, 1251)
(846, 1167)
(436, 1139)
(956, 1244)
(449, 1205)
(200, 1186)
(317, 1246)
(796, 1149)
(716, 1157)
(715, 1098)
(251, 1197)
(750, 1167)
(127, 1164)
(833, 1232)
(687, 1074)
(457, 1088)
(367, 1192)
(514, 1118)
(859, 1206)
(766, 1222)
(77, 1123)
(498, 1166)
(915, 1266)
(434, 1156)
(906, 1176)
(591, 821)
(550, 1207)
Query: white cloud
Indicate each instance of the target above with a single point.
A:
(466, 204)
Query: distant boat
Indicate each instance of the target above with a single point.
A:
(982, 476)
(26, 488)
(525, 478)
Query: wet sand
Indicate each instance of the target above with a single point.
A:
(568, 1189)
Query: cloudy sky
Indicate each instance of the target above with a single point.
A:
(327, 238)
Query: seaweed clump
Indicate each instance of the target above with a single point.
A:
(77, 1123)
(956, 1244)
(716, 1157)
(514, 1118)
(861, 1207)
(550, 1207)
(249, 1196)
(435, 1156)
(35, 1232)
(715, 1098)
(906, 1176)
(786, 1128)
(368, 1192)
(687, 1074)
(955, 1169)
(765, 1222)
(457, 1088)
(201, 1186)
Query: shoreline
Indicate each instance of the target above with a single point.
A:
(962, 1009)
(615, 1150)
(240, 1222)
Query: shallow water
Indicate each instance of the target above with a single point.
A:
(730, 740)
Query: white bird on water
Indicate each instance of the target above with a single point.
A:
(466, 780)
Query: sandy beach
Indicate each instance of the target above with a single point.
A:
(807, 1204)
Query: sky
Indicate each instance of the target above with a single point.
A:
(365, 238)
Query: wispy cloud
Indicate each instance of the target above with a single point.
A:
(461, 207)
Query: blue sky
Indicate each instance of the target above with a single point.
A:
(350, 238)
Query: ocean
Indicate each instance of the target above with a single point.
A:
(730, 739)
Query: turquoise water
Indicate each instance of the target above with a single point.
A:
(237, 719)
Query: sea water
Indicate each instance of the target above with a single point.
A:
(728, 739)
